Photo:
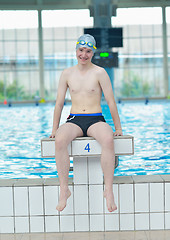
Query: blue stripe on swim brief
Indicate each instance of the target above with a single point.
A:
(86, 114)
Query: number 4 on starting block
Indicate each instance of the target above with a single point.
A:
(87, 147)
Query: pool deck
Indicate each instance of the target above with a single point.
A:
(28, 206)
(133, 235)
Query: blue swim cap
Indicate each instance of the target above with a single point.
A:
(87, 41)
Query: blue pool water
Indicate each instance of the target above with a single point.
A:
(22, 127)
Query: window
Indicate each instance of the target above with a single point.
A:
(168, 36)
(140, 71)
(141, 64)
(19, 55)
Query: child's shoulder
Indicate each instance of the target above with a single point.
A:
(69, 70)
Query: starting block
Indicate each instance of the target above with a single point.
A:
(86, 152)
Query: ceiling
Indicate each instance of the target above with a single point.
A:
(74, 4)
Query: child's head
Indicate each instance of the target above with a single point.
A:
(86, 41)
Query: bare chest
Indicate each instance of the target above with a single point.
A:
(86, 84)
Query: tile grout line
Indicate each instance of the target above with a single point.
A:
(43, 196)
(104, 210)
(134, 206)
(13, 197)
(29, 217)
(164, 203)
(119, 203)
(59, 216)
(149, 199)
(74, 217)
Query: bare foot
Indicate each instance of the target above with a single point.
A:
(64, 195)
(111, 206)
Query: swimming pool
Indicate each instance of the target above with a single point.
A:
(22, 127)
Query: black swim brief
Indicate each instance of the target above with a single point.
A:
(84, 121)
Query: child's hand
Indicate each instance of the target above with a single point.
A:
(52, 135)
(118, 132)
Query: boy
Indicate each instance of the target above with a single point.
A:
(86, 82)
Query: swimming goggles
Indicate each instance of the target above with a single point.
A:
(89, 44)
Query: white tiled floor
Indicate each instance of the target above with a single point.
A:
(52, 223)
(132, 235)
(96, 223)
(126, 198)
(141, 197)
(167, 220)
(22, 224)
(36, 201)
(96, 196)
(156, 197)
(21, 201)
(127, 222)
(7, 198)
(156, 221)
(67, 223)
(82, 223)
(142, 221)
(167, 197)
(36, 224)
(7, 225)
(141, 205)
(112, 222)
(81, 199)
(51, 198)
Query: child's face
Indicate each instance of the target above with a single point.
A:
(84, 54)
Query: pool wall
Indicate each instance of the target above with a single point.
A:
(28, 205)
